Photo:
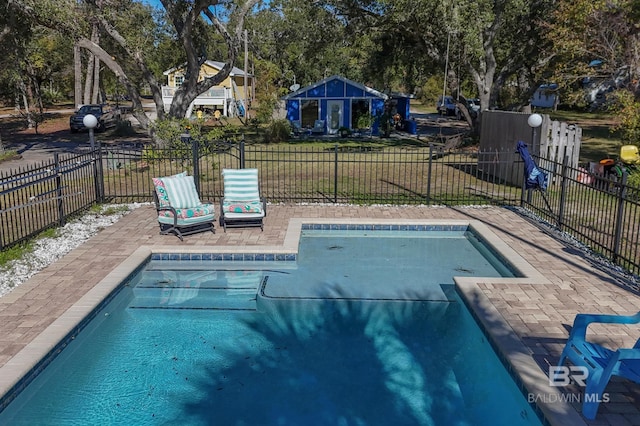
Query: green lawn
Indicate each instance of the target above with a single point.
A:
(598, 139)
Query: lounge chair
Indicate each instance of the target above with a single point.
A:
(179, 208)
(241, 205)
(318, 127)
(601, 363)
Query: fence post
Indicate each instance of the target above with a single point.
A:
(524, 187)
(98, 174)
(196, 163)
(241, 153)
(60, 203)
(335, 174)
(429, 169)
(1, 233)
(563, 190)
(622, 198)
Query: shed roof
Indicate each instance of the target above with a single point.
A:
(336, 87)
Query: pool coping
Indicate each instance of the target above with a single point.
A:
(504, 339)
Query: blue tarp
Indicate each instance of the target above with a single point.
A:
(535, 178)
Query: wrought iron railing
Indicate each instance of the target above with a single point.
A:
(45, 196)
(601, 212)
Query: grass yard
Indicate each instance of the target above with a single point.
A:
(598, 139)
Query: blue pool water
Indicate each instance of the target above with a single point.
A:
(218, 343)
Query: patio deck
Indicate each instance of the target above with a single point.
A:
(538, 313)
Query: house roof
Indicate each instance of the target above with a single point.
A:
(335, 87)
(214, 64)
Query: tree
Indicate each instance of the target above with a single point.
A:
(583, 33)
(300, 42)
(26, 56)
(125, 49)
(187, 22)
(491, 42)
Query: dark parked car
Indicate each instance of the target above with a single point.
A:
(473, 105)
(446, 107)
(106, 115)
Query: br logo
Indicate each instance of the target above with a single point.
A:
(559, 375)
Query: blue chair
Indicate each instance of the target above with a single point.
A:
(601, 363)
(318, 127)
(296, 128)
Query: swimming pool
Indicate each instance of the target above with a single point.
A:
(291, 349)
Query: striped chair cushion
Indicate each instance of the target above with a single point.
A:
(240, 185)
(161, 190)
(182, 192)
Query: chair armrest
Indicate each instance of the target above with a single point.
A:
(582, 321)
(607, 319)
(628, 353)
(172, 210)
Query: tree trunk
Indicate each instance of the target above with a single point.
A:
(91, 64)
(96, 72)
(36, 97)
(25, 101)
(88, 79)
(77, 72)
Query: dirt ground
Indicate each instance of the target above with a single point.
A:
(52, 136)
(55, 126)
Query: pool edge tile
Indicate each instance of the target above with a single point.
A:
(511, 349)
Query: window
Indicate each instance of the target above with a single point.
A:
(360, 113)
(309, 113)
(179, 79)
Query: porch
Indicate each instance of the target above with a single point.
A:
(216, 98)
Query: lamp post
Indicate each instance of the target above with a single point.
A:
(534, 121)
(90, 122)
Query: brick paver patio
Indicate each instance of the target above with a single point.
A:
(540, 314)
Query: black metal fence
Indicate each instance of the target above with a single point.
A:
(37, 198)
(601, 212)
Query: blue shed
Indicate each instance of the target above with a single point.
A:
(338, 101)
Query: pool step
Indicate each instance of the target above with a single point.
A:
(221, 290)
(169, 297)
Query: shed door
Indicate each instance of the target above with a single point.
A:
(334, 116)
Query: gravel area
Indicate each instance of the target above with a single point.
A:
(622, 277)
(48, 250)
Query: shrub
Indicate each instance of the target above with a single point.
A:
(124, 128)
(627, 108)
(170, 133)
(634, 178)
(51, 96)
(278, 131)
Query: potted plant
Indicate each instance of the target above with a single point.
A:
(364, 122)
